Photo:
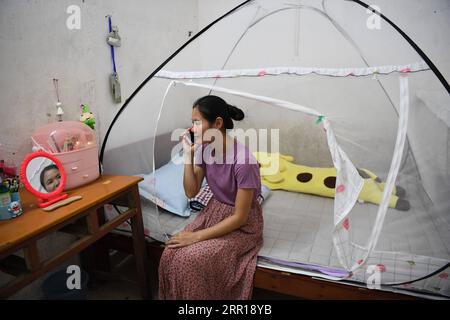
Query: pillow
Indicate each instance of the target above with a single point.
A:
(165, 187)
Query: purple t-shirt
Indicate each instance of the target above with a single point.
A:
(239, 169)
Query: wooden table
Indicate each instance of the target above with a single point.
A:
(23, 232)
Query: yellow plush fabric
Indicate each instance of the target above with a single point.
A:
(278, 171)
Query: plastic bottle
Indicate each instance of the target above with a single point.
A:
(5, 200)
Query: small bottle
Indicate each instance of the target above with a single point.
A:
(5, 201)
(15, 207)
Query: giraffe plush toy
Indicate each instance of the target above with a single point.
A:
(320, 181)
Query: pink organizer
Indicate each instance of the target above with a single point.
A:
(74, 144)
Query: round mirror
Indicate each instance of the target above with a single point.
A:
(43, 175)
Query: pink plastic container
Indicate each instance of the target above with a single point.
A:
(74, 144)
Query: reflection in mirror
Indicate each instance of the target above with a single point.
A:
(43, 175)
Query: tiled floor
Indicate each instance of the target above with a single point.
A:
(122, 284)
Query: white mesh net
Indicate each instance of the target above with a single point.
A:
(380, 119)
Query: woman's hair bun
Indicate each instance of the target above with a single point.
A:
(235, 113)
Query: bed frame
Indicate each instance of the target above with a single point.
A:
(296, 285)
(300, 286)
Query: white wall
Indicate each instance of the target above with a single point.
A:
(37, 47)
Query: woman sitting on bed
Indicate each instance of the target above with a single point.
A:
(215, 256)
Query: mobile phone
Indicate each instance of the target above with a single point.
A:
(191, 136)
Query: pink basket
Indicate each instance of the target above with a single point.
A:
(74, 144)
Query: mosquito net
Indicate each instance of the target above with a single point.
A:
(335, 87)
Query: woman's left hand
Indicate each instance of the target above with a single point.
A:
(182, 239)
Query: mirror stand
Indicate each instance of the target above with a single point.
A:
(44, 202)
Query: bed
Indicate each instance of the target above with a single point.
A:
(298, 257)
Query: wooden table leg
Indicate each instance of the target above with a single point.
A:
(31, 254)
(140, 251)
(95, 257)
(103, 262)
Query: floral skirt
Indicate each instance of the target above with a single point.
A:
(214, 269)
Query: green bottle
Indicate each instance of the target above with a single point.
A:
(5, 200)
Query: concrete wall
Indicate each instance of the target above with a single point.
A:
(37, 47)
